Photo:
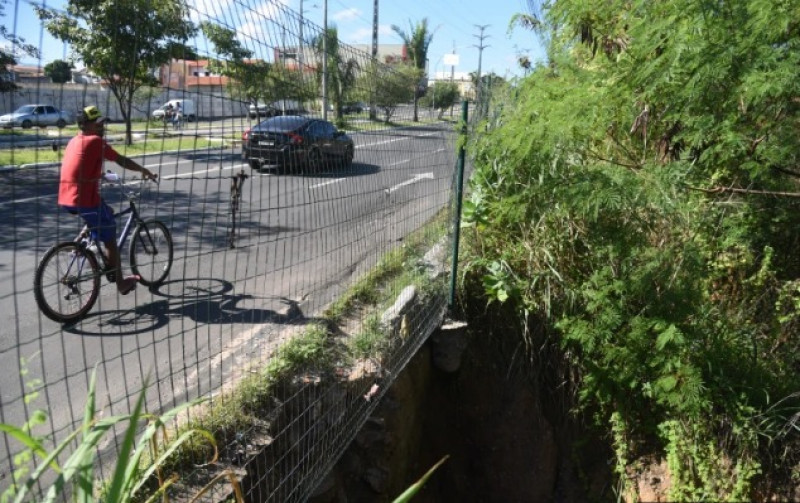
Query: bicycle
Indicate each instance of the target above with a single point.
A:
(67, 280)
(237, 181)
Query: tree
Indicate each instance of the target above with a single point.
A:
(638, 197)
(342, 72)
(393, 84)
(252, 80)
(59, 71)
(122, 42)
(417, 42)
(442, 96)
(9, 58)
(248, 78)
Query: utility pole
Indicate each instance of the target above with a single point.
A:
(300, 42)
(325, 62)
(372, 112)
(375, 31)
(453, 67)
(480, 47)
(452, 76)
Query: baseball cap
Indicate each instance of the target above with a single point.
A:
(93, 114)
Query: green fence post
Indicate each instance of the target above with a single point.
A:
(459, 197)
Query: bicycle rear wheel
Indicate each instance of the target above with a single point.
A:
(67, 282)
(151, 252)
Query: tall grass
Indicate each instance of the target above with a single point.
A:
(132, 477)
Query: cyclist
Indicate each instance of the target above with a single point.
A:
(177, 116)
(79, 188)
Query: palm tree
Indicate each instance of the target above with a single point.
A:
(342, 72)
(417, 44)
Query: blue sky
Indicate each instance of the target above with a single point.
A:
(455, 24)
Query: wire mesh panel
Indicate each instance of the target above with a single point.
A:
(302, 200)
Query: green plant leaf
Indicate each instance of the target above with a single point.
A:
(414, 489)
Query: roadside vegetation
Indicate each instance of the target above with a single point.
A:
(20, 156)
(636, 198)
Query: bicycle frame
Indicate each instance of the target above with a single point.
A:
(85, 237)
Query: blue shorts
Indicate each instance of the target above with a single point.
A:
(100, 220)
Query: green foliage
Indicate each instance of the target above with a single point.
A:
(308, 351)
(253, 81)
(409, 493)
(417, 41)
(371, 342)
(630, 193)
(441, 96)
(130, 474)
(394, 85)
(342, 72)
(122, 41)
(59, 71)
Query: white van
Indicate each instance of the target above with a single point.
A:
(187, 107)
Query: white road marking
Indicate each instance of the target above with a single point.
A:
(415, 179)
(326, 183)
(399, 162)
(384, 142)
(195, 173)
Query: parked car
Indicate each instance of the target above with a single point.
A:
(355, 108)
(187, 108)
(293, 142)
(28, 116)
(280, 107)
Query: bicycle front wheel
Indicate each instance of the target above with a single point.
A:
(151, 252)
(67, 282)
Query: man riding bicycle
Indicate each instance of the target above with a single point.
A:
(79, 188)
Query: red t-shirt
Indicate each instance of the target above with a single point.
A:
(81, 169)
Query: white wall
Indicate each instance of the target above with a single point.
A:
(73, 97)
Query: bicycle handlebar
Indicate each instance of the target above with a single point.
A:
(113, 178)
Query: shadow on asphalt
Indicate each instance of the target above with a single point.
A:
(209, 304)
(355, 169)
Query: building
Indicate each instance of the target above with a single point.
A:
(387, 54)
(466, 87)
(28, 74)
(190, 75)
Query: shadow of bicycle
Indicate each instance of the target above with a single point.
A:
(206, 301)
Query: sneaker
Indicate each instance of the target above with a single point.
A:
(129, 284)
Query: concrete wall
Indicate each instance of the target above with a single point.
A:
(211, 104)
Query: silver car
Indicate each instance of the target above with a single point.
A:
(28, 116)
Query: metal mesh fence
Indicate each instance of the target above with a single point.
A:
(268, 249)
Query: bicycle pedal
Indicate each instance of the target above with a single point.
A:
(111, 275)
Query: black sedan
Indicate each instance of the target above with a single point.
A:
(294, 142)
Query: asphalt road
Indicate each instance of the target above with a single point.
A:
(302, 240)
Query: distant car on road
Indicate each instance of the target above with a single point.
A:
(28, 116)
(355, 108)
(280, 107)
(293, 142)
